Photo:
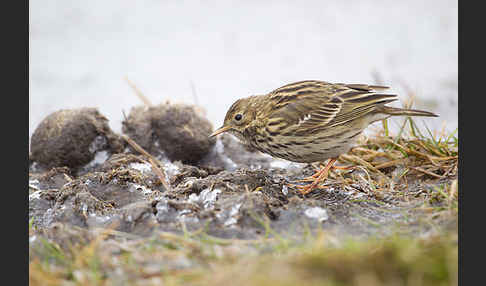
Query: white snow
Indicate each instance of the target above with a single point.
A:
(99, 158)
(285, 190)
(35, 195)
(34, 184)
(142, 167)
(232, 215)
(206, 197)
(317, 213)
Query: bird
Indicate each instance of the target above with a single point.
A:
(310, 121)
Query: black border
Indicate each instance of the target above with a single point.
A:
(15, 134)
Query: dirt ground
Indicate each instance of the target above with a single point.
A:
(229, 191)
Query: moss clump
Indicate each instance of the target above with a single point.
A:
(71, 137)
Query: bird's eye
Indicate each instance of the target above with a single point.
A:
(238, 117)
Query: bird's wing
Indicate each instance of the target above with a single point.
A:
(358, 100)
(363, 87)
(309, 106)
(303, 106)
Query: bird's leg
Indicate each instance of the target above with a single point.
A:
(318, 167)
(322, 175)
(316, 174)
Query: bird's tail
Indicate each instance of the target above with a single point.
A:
(407, 112)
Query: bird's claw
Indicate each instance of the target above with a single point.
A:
(305, 189)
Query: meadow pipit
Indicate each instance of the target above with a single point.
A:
(310, 121)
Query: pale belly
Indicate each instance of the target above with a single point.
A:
(305, 150)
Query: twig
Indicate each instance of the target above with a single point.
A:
(160, 174)
(140, 95)
(153, 161)
(246, 188)
(357, 160)
(193, 91)
(124, 115)
(432, 159)
(427, 172)
(389, 163)
(375, 153)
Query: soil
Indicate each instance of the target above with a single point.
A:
(219, 185)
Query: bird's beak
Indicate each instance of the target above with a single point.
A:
(220, 130)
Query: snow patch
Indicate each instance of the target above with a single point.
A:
(142, 167)
(285, 190)
(206, 197)
(282, 164)
(317, 213)
(233, 212)
(35, 195)
(99, 158)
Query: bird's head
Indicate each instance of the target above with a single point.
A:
(238, 117)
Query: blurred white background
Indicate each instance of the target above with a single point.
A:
(214, 52)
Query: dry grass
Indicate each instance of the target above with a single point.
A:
(198, 259)
(428, 155)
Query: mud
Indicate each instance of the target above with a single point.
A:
(227, 190)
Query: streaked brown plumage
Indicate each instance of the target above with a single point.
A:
(310, 121)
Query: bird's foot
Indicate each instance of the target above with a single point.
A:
(308, 179)
(304, 190)
(317, 178)
(318, 170)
